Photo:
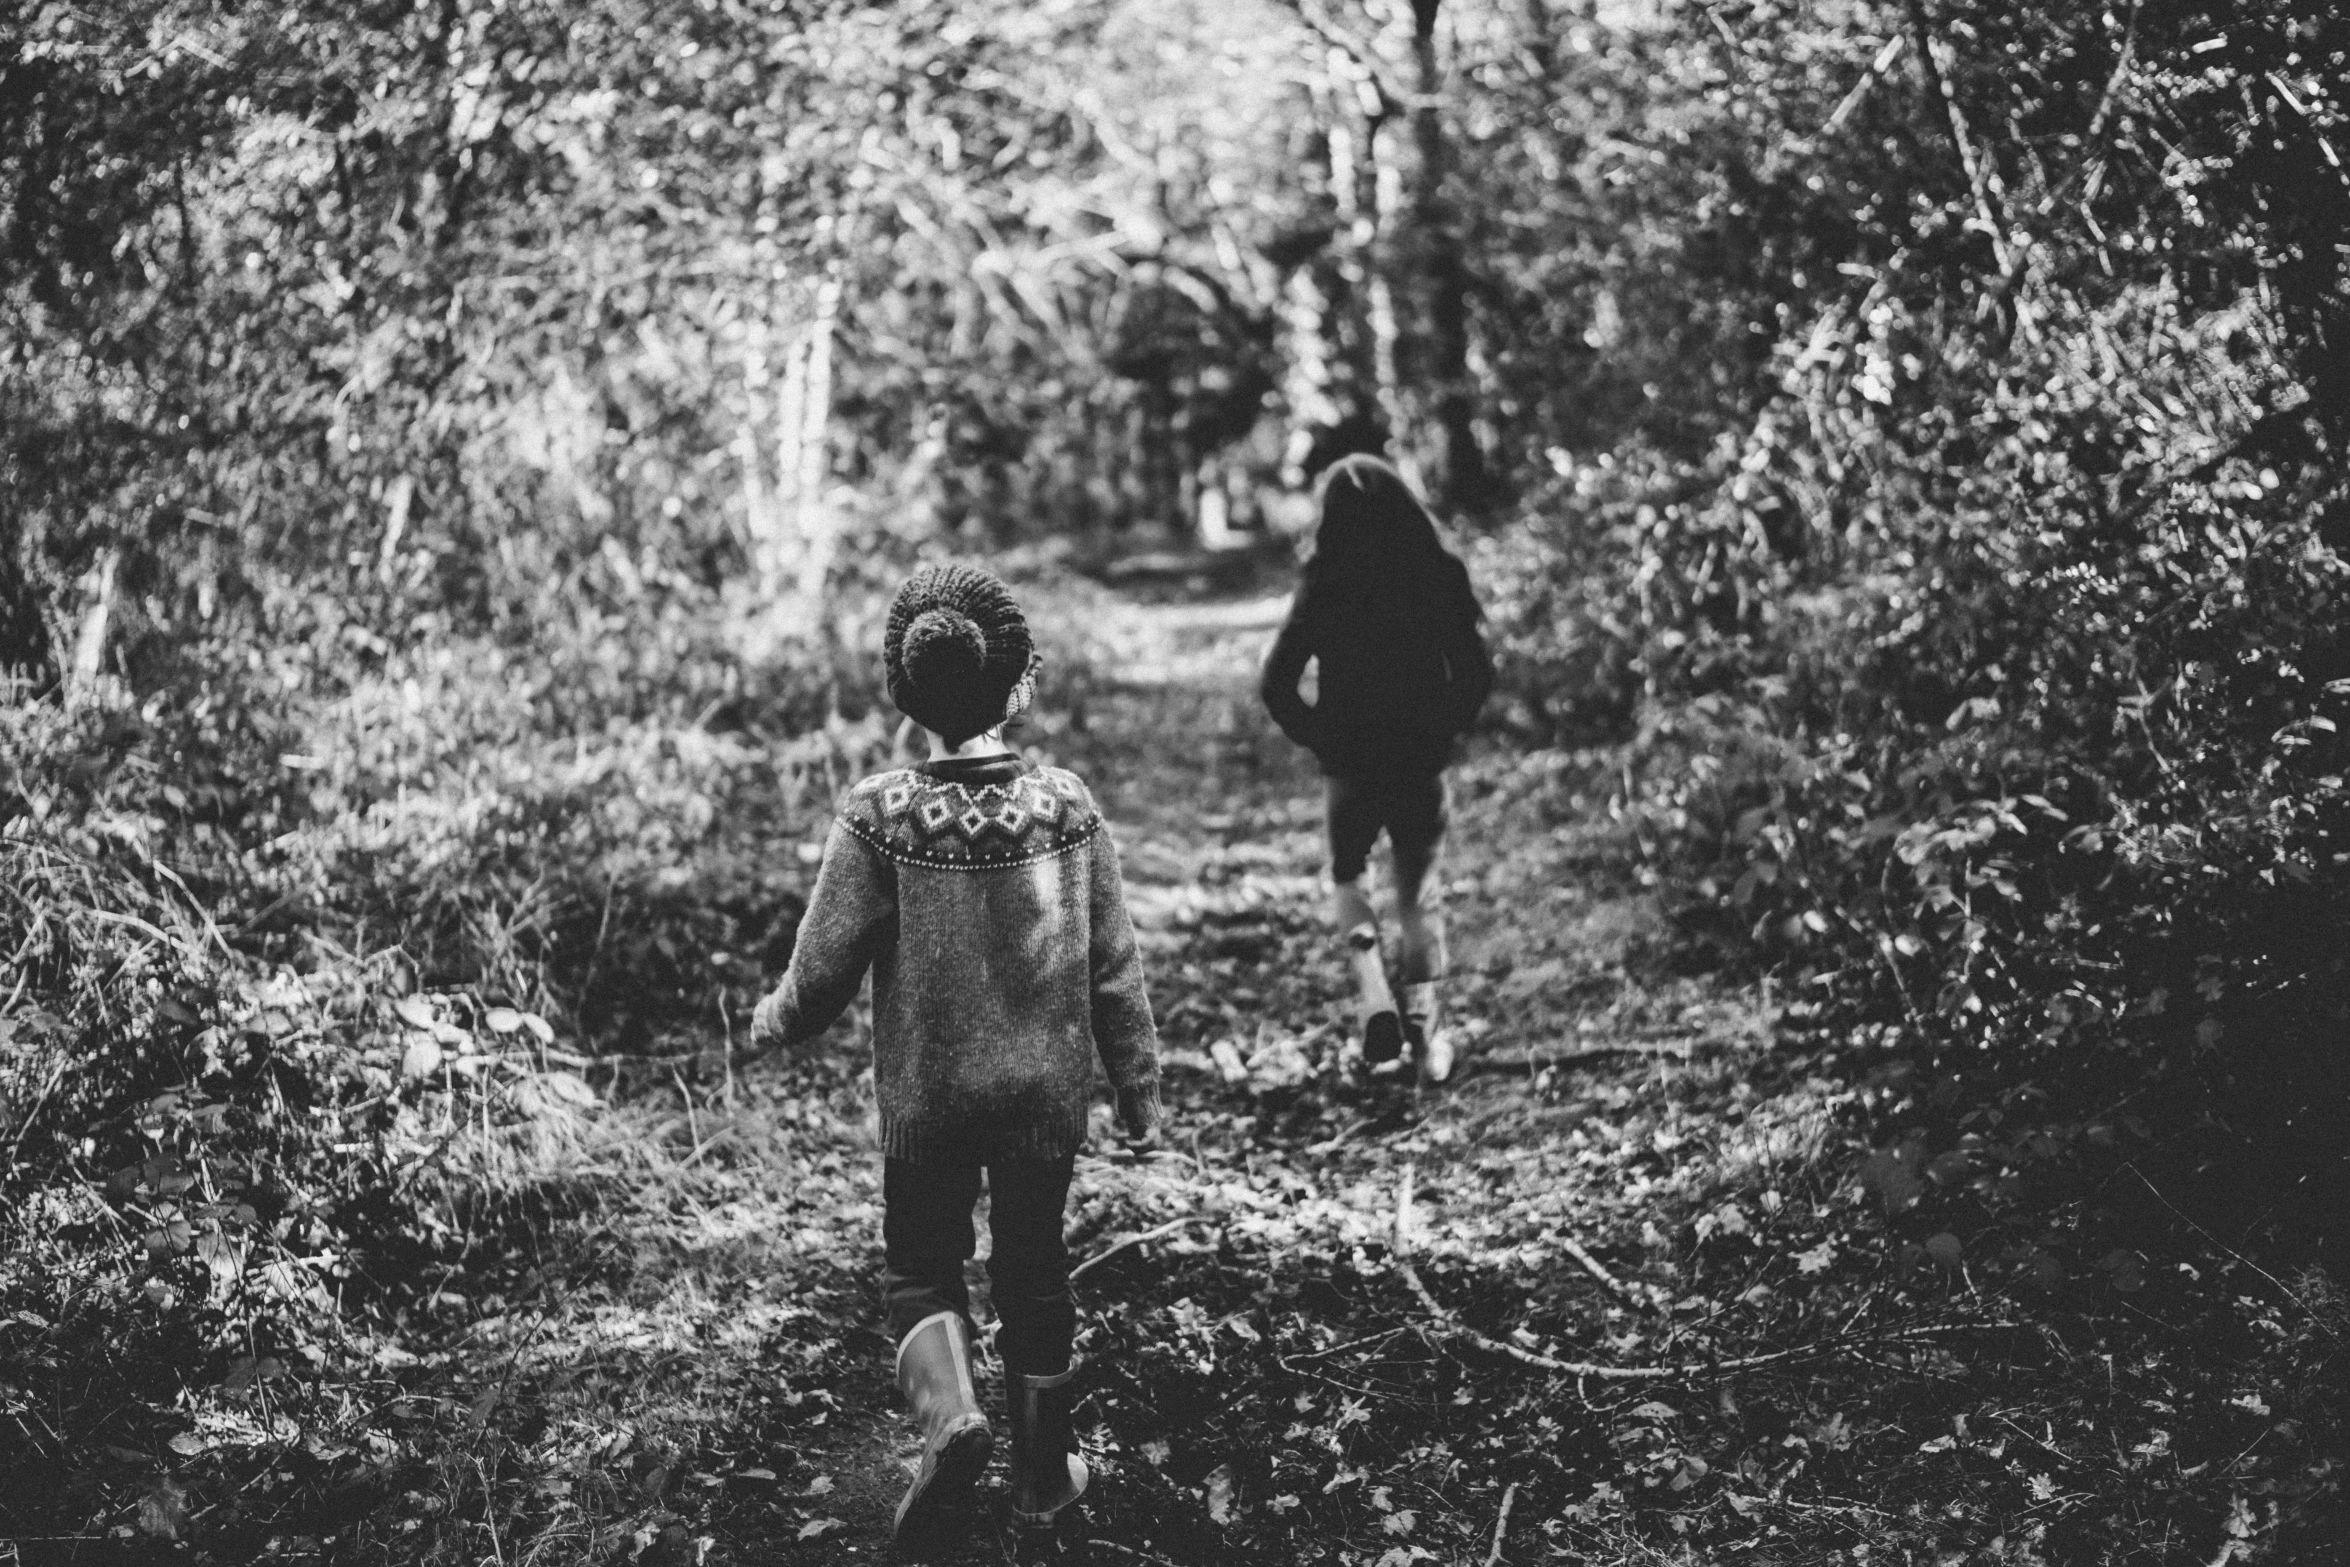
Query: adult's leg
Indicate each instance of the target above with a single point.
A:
(926, 1237)
(1028, 1266)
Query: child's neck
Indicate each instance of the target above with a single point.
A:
(989, 744)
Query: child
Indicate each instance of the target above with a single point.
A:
(1388, 614)
(982, 890)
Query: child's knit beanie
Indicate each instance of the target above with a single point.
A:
(956, 653)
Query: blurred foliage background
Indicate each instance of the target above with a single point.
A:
(451, 454)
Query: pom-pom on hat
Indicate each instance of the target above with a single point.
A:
(957, 655)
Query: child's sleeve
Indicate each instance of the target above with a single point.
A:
(1122, 1028)
(855, 899)
(1468, 666)
(1285, 666)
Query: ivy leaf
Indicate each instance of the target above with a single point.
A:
(1219, 1488)
(163, 1511)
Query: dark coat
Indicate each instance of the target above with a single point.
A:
(1396, 687)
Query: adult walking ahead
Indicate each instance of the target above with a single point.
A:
(1386, 614)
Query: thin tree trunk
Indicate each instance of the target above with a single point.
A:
(1456, 464)
(779, 525)
(792, 535)
(399, 496)
(1339, 304)
(89, 647)
(817, 529)
(1386, 324)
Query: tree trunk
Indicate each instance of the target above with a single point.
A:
(781, 512)
(1455, 467)
(818, 530)
(89, 647)
(1386, 322)
(1332, 305)
(793, 535)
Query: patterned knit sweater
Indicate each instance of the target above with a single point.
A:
(984, 895)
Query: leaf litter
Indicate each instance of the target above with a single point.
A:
(1615, 1304)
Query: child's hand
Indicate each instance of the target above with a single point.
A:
(767, 1023)
(1138, 1120)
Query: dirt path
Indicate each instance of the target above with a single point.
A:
(1259, 1384)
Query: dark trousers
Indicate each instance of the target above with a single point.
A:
(1409, 809)
(927, 1236)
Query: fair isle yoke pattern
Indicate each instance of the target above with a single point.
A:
(913, 819)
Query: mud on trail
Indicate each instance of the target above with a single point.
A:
(1495, 1320)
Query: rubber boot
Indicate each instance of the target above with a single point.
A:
(1427, 1041)
(1047, 1474)
(934, 1372)
(1375, 1004)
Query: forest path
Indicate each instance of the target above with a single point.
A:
(719, 1352)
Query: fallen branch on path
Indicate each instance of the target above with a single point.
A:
(1598, 1270)
(1115, 1247)
(1533, 1063)
(1501, 1525)
(1333, 1144)
(1452, 1327)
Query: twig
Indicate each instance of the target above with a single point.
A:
(587, 979)
(1454, 1327)
(56, 1076)
(1339, 1349)
(726, 1023)
(489, 1511)
(1860, 89)
(1358, 50)
(693, 1122)
(1501, 1524)
(1115, 1247)
(1678, 1046)
(1332, 1144)
(211, 928)
(2282, 1287)
(717, 1136)
(1982, 173)
(1598, 1270)
(1536, 1062)
(1584, 1368)
(1405, 1178)
(1123, 1550)
(2121, 67)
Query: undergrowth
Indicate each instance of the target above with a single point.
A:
(356, 1228)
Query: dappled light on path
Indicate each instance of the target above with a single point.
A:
(1256, 1372)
